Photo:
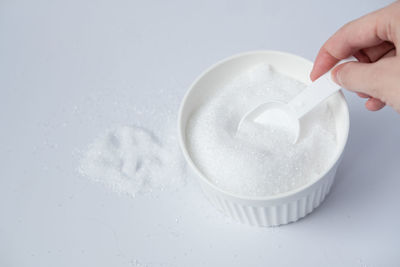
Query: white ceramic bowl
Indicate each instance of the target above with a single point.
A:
(270, 210)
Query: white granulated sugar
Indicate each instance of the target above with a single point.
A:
(259, 160)
(131, 160)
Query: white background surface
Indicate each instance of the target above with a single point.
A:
(71, 69)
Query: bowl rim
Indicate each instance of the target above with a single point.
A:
(279, 196)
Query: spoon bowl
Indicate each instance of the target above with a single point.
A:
(269, 113)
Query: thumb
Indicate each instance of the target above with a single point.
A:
(367, 78)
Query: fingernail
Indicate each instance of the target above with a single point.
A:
(335, 74)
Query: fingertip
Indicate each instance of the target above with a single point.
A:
(313, 75)
(315, 72)
(351, 76)
(323, 63)
(374, 104)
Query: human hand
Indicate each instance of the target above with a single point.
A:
(373, 40)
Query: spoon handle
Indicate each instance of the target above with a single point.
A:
(316, 92)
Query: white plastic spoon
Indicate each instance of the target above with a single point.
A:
(299, 106)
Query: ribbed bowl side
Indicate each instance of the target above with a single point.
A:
(270, 213)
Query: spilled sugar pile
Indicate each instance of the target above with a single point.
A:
(258, 161)
(132, 160)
